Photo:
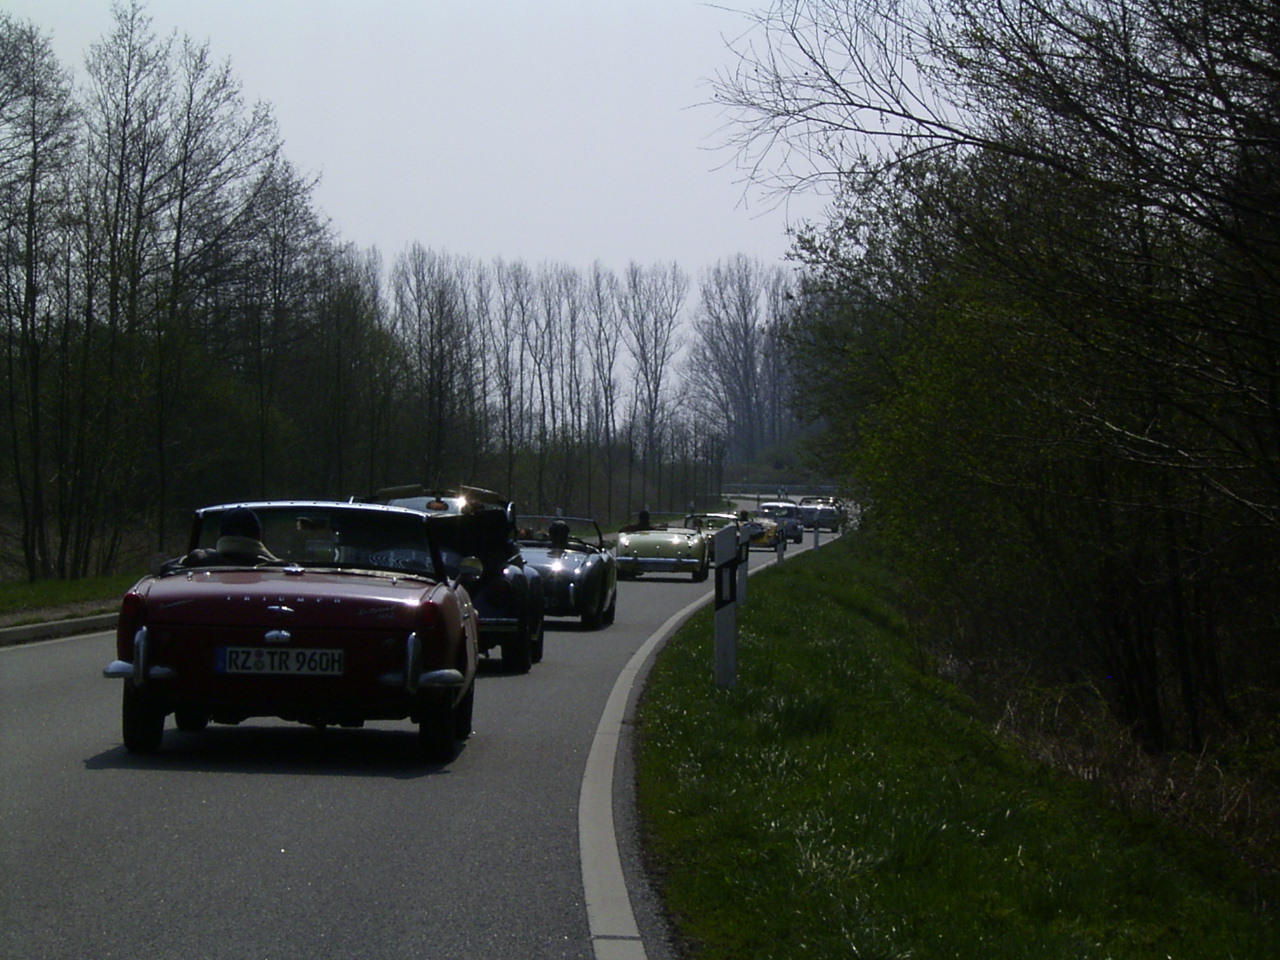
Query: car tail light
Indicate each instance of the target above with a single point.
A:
(424, 644)
(132, 614)
(427, 617)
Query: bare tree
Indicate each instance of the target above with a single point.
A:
(125, 190)
(480, 313)
(511, 360)
(217, 155)
(259, 300)
(541, 334)
(778, 386)
(562, 308)
(724, 363)
(430, 316)
(37, 140)
(603, 343)
(339, 372)
(651, 303)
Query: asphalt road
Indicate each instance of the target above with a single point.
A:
(272, 840)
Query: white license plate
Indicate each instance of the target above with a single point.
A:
(290, 662)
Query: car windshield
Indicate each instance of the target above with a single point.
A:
(336, 536)
(536, 531)
(438, 506)
(705, 521)
(779, 511)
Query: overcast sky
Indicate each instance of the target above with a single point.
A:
(557, 131)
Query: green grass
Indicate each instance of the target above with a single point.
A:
(40, 597)
(839, 802)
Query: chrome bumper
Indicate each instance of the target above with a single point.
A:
(141, 669)
(659, 564)
(413, 677)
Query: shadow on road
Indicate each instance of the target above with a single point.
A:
(386, 750)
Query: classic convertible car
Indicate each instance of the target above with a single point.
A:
(508, 592)
(822, 513)
(763, 531)
(650, 546)
(579, 570)
(787, 516)
(311, 611)
(709, 523)
(760, 531)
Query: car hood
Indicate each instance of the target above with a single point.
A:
(306, 599)
(545, 558)
(658, 542)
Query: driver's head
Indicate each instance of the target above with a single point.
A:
(241, 522)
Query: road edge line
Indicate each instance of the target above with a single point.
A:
(614, 933)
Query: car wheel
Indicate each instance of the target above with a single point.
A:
(535, 646)
(190, 721)
(592, 619)
(141, 720)
(611, 610)
(517, 652)
(702, 572)
(436, 743)
(462, 713)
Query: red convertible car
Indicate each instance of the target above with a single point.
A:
(311, 611)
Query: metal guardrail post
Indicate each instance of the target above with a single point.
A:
(727, 558)
(744, 559)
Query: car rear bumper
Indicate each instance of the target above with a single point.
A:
(388, 692)
(659, 564)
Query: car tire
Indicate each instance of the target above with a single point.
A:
(593, 618)
(436, 743)
(517, 652)
(610, 611)
(462, 713)
(141, 720)
(539, 639)
(702, 572)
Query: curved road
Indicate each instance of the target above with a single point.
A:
(272, 840)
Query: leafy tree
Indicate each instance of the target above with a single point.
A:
(1041, 327)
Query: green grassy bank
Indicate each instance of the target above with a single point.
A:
(22, 602)
(841, 801)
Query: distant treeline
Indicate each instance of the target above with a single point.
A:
(182, 326)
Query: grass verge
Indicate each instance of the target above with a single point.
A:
(34, 602)
(842, 802)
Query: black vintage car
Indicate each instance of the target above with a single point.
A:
(579, 569)
(477, 523)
